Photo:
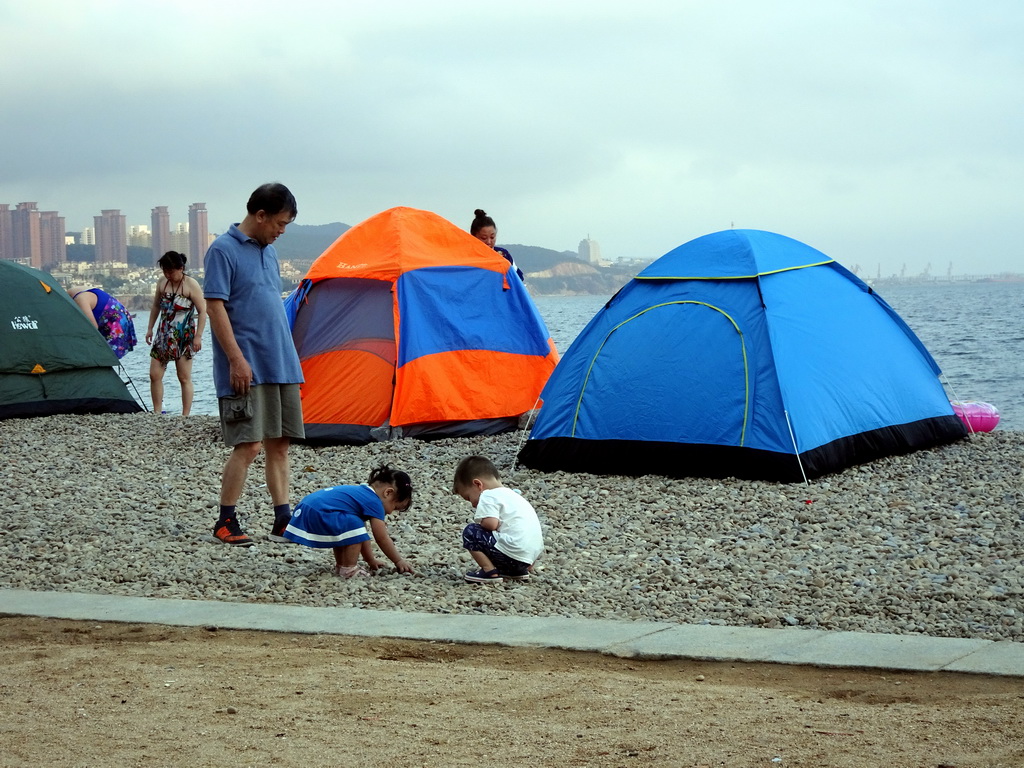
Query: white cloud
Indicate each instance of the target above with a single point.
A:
(883, 131)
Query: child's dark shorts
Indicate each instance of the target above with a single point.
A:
(476, 538)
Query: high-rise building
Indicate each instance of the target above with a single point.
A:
(178, 239)
(25, 234)
(160, 232)
(88, 236)
(589, 251)
(111, 237)
(31, 236)
(52, 247)
(139, 236)
(198, 235)
(6, 233)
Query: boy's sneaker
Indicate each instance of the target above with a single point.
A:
(229, 532)
(483, 577)
(277, 532)
(524, 576)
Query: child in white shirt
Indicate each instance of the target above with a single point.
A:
(506, 537)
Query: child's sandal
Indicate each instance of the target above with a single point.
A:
(349, 571)
(481, 576)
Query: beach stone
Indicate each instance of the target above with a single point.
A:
(926, 543)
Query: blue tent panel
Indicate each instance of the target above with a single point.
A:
(343, 314)
(869, 375)
(741, 353)
(734, 254)
(612, 377)
(464, 308)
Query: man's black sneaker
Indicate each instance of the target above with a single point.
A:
(277, 532)
(229, 532)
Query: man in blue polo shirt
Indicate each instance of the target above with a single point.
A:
(255, 366)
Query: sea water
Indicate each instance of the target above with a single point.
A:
(975, 332)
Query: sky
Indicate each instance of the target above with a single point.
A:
(888, 135)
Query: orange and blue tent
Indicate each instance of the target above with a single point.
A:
(408, 326)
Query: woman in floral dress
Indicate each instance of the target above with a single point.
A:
(179, 305)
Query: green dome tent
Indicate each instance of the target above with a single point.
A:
(52, 360)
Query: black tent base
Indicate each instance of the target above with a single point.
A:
(357, 434)
(96, 389)
(76, 406)
(636, 458)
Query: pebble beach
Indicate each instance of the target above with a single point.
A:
(929, 543)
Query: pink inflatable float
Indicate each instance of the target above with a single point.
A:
(977, 417)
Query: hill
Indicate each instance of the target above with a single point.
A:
(138, 256)
(532, 258)
(574, 278)
(563, 273)
(305, 242)
(548, 271)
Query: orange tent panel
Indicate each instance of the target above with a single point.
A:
(467, 385)
(347, 386)
(399, 240)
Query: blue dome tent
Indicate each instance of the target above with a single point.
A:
(740, 354)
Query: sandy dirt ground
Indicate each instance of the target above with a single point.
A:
(94, 694)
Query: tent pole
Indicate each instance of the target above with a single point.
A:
(796, 451)
(120, 369)
(956, 397)
(522, 439)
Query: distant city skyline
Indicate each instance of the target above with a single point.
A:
(45, 238)
(40, 237)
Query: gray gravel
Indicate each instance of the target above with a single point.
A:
(929, 543)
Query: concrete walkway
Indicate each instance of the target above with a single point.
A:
(638, 639)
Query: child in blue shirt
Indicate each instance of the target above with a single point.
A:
(336, 518)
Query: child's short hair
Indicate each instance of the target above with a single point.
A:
(396, 477)
(472, 467)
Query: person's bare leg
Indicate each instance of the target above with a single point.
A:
(277, 469)
(183, 367)
(346, 561)
(347, 556)
(482, 560)
(156, 384)
(235, 469)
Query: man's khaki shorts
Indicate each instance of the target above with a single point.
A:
(276, 412)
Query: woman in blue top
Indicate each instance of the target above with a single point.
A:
(109, 316)
(336, 518)
(484, 229)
